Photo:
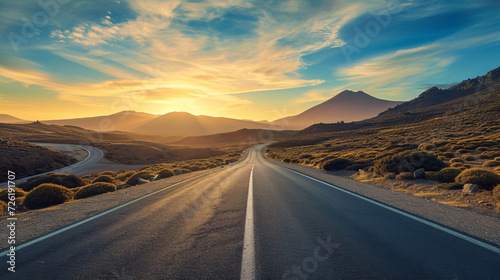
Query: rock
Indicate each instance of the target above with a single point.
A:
(419, 173)
(142, 181)
(470, 189)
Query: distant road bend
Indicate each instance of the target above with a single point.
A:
(254, 220)
(94, 156)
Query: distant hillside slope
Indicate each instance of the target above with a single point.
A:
(4, 118)
(235, 137)
(346, 106)
(26, 159)
(185, 124)
(435, 96)
(124, 121)
(464, 98)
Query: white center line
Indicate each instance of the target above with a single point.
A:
(248, 259)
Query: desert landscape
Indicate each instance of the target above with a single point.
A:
(291, 139)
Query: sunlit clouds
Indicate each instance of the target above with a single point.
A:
(217, 57)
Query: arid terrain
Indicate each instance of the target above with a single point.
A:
(457, 129)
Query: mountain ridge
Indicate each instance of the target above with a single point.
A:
(346, 106)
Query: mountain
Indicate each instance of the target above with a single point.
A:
(185, 124)
(4, 118)
(346, 106)
(479, 97)
(236, 137)
(435, 96)
(124, 121)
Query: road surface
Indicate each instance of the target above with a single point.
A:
(255, 220)
(94, 156)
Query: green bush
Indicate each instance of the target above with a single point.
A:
(134, 179)
(408, 162)
(287, 160)
(462, 151)
(482, 149)
(103, 179)
(457, 164)
(95, 189)
(47, 195)
(166, 173)
(405, 176)
(491, 163)
(447, 175)
(66, 180)
(335, 164)
(496, 194)
(485, 179)
(4, 194)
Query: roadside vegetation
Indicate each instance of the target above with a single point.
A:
(55, 188)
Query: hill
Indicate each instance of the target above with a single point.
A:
(435, 96)
(4, 118)
(346, 106)
(185, 124)
(124, 121)
(466, 126)
(26, 159)
(236, 137)
(120, 147)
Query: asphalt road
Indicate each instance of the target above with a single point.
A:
(255, 219)
(94, 156)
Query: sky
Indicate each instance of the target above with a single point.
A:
(258, 59)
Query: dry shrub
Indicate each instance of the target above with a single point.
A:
(4, 194)
(95, 189)
(47, 195)
(124, 176)
(447, 175)
(485, 179)
(66, 180)
(408, 162)
(134, 179)
(103, 179)
(491, 163)
(405, 176)
(166, 173)
(335, 164)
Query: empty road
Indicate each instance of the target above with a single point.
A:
(255, 220)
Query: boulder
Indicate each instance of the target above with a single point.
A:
(470, 189)
(419, 173)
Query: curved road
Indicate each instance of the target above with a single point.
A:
(254, 220)
(94, 156)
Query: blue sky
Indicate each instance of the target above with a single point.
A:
(242, 59)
